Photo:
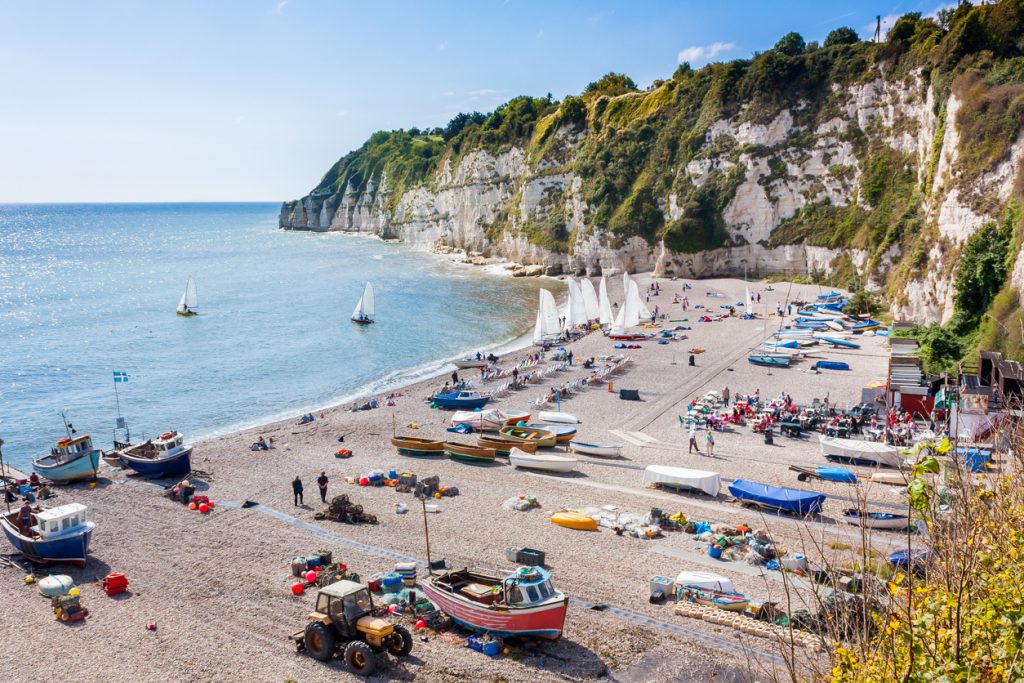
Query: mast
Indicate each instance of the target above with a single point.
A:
(2, 474)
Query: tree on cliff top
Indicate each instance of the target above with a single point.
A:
(844, 35)
(611, 84)
(791, 44)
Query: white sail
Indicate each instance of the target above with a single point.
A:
(575, 310)
(604, 304)
(633, 310)
(619, 325)
(190, 299)
(364, 309)
(546, 328)
(590, 302)
(642, 310)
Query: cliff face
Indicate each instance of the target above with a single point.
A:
(868, 163)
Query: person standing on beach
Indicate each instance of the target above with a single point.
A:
(569, 356)
(321, 481)
(725, 396)
(711, 443)
(455, 378)
(297, 490)
(693, 440)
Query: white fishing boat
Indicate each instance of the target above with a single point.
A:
(604, 305)
(189, 300)
(466, 363)
(363, 314)
(488, 420)
(685, 479)
(595, 449)
(546, 329)
(855, 452)
(590, 300)
(541, 461)
(558, 417)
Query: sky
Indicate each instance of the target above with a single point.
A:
(251, 101)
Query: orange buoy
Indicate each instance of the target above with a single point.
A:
(204, 508)
(310, 576)
(297, 588)
(421, 624)
(191, 506)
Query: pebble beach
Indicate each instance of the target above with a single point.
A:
(225, 575)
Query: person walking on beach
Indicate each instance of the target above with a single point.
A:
(569, 356)
(711, 443)
(297, 490)
(693, 440)
(321, 481)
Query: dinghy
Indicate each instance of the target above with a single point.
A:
(838, 474)
(546, 329)
(363, 314)
(416, 447)
(876, 520)
(72, 459)
(467, 400)
(770, 361)
(835, 325)
(471, 363)
(864, 453)
(562, 433)
(590, 300)
(604, 305)
(889, 478)
(832, 365)
(732, 602)
(705, 580)
(574, 520)
(466, 453)
(189, 300)
(541, 461)
(682, 478)
(485, 420)
(595, 449)
(558, 417)
(777, 497)
(542, 437)
(504, 446)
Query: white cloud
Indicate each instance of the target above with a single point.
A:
(704, 53)
(280, 6)
(481, 92)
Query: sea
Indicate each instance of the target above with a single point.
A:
(88, 290)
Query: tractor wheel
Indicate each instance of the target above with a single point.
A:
(400, 643)
(360, 658)
(320, 641)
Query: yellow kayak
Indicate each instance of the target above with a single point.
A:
(574, 520)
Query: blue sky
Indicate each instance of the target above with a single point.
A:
(230, 100)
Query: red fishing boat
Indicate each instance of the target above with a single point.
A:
(521, 604)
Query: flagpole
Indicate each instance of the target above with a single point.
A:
(117, 398)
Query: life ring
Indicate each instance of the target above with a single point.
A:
(64, 442)
(167, 435)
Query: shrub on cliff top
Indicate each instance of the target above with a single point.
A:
(843, 35)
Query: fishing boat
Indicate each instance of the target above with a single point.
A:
(72, 459)
(542, 437)
(839, 343)
(472, 363)
(558, 417)
(60, 534)
(473, 455)
(777, 497)
(731, 602)
(189, 300)
(466, 400)
(364, 311)
(486, 420)
(876, 520)
(683, 479)
(594, 449)
(574, 520)
(832, 365)
(562, 433)
(770, 361)
(165, 456)
(504, 446)
(416, 447)
(541, 461)
(863, 453)
(523, 603)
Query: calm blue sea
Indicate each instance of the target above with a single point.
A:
(86, 290)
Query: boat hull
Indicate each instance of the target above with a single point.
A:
(543, 438)
(543, 462)
(189, 314)
(463, 364)
(770, 361)
(558, 418)
(505, 446)
(418, 448)
(543, 621)
(79, 469)
(863, 453)
(470, 455)
(562, 433)
(73, 548)
(574, 520)
(460, 403)
(876, 520)
(177, 465)
(595, 449)
(777, 497)
(362, 322)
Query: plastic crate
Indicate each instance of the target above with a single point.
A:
(530, 557)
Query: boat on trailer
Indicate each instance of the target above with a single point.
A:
(166, 456)
(59, 534)
(683, 479)
(524, 603)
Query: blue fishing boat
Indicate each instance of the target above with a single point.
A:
(462, 400)
(770, 361)
(841, 343)
(866, 325)
(60, 534)
(777, 497)
(832, 365)
(71, 459)
(166, 456)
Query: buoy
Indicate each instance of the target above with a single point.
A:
(210, 503)
(421, 624)
(73, 591)
(310, 576)
(364, 481)
(191, 506)
(297, 588)
(392, 609)
(204, 508)
(151, 626)
(30, 579)
(92, 484)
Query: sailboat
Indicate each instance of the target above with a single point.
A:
(590, 301)
(189, 300)
(363, 315)
(546, 328)
(604, 304)
(575, 309)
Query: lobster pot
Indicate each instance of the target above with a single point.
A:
(326, 558)
(298, 566)
(391, 583)
(512, 555)
(313, 562)
(530, 557)
(65, 602)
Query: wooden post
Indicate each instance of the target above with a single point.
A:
(426, 534)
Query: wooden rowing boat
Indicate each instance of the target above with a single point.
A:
(416, 447)
(466, 453)
(504, 446)
(542, 437)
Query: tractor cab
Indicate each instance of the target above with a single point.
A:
(342, 605)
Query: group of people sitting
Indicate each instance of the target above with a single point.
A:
(307, 419)
(262, 444)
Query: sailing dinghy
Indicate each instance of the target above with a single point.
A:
(363, 315)
(189, 300)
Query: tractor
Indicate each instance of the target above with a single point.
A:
(343, 620)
